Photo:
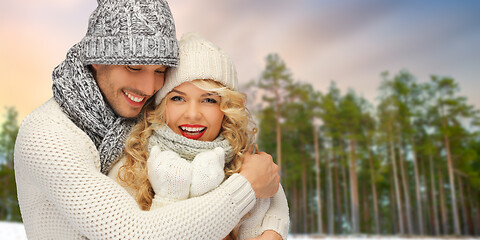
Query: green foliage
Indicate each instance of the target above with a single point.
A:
(9, 209)
(412, 114)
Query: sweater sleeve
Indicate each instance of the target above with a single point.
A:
(277, 216)
(55, 158)
(267, 214)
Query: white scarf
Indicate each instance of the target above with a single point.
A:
(167, 139)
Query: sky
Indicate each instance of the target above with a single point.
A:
(350, 42)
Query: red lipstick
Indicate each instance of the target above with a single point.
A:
(192, 131)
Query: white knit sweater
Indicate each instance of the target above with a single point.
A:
(267, 214)
(63, 195)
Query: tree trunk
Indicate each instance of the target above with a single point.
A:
(338, 198)
(4, 208)
(417, 188)
(278, 130)
(473, 223)
(304, 197)
(443, 210)
(476, 216)
(354, 188)
(296, 221)
(427, 215)
(405, 184)
(395, 180)
(364, 201)
(312, 225)
(477, 226)
(345, 186)
(317, 177)
(434, 196)
(393, 204)
(330, 204)
(463, 205)
(374, 189)
(451, 177)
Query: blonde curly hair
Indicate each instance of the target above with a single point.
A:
(237, 127)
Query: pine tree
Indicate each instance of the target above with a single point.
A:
(9, 209)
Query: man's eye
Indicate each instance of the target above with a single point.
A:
(133, 68)
(160, 72)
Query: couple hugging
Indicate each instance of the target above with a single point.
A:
(145, 138)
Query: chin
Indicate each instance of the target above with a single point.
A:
(128, 114)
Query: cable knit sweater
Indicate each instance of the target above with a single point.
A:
(63, 195)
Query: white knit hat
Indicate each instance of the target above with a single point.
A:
(199, 59)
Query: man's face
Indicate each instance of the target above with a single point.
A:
(127, 87)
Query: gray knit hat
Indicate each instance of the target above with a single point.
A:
(131, 32)
(199, 59)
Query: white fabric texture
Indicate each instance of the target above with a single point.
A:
(174, 178)
(171, 175)
(63, 195)
(207, 171)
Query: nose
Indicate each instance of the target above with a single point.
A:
(150, 83)
(193, 111)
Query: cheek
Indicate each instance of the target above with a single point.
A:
(171, 113)
(171, 123)
(217, 119)
(159, 82)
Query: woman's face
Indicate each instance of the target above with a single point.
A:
(194, 113)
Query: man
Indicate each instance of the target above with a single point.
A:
(65, 147)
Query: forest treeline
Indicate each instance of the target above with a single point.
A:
(410, 164)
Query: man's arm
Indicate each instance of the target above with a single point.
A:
(59, 160)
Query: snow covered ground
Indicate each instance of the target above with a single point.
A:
(12, 231)
(15, 231)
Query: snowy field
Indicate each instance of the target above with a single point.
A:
(12, 231)
(15, 231)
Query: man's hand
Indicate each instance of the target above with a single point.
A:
(269, 234)
(262, 173)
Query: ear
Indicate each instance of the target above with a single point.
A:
(95, 67)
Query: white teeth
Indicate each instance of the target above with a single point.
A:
(133, 98)
(192, 129)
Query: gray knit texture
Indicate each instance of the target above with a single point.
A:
(120, 32)
(131, 32)
(77, 93)
(167, 139)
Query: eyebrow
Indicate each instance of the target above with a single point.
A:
(179, 92)
(203, 95)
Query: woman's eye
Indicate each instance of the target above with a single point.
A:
(133, 68)
(176, 98)
(210, 100)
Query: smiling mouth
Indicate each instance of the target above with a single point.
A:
(192, 131)
(133, 98)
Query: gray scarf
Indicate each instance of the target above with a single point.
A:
(167, 139)
(77, 93)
